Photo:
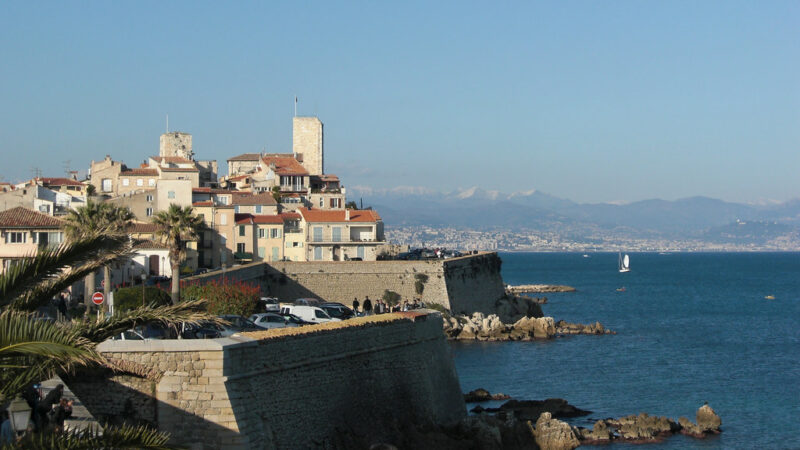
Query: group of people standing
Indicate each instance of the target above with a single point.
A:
(49, 412)
(381, 307)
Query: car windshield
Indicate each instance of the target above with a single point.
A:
(333, 311)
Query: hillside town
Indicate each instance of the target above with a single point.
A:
(269, 207)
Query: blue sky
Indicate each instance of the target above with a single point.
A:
(592, 101)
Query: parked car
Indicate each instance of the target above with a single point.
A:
(308, 301)
(338, 310)
(203, 330)
(313, 314)
(147, 332)
(270, 304)
(271, 320)
(238, 324)
(295, 320)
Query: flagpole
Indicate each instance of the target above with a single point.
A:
(295, 106)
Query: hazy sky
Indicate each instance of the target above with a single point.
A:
(592, 101)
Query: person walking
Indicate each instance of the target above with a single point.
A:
(367, 306)
(62, 306)
(355, 305)
(62, 412)
(44, 406)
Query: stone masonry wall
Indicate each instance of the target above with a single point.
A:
(293, 391)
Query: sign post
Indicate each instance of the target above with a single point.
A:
(97, 299)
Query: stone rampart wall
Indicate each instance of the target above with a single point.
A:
(295, 391)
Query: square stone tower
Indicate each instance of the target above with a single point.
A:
(307, 143)
(176, 143)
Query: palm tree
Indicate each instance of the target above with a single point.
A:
(174, 227)
(32, 350)
(95, 217)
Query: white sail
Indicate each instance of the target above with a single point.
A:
(624, 263)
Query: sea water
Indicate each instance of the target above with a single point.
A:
(691, 328)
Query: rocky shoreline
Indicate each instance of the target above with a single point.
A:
(538, 288)
(490, 328)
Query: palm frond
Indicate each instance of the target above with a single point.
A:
(36, 280)
(31, 350)
(122, 437)
(184, 312)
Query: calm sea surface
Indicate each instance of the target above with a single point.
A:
(692, 327)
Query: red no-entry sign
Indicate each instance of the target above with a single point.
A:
(97, 298)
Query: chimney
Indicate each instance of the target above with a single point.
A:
(347, 215)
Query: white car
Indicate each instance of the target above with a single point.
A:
(311, 314)
(271, 304)
(271, 320)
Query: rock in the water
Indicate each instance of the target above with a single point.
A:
(540, 328)
(708, 420)
(600, 432)
(644, 427)
(553, 434)
(532, 409)
(482, 395)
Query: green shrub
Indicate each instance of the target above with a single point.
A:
(229, 298)
(131, 297)
(391, 297)
(437, 307)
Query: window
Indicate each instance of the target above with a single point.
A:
(55, 237)
(258, 209)
(223, 200)
(16, 237)
(321, 202)
(337, 234)
(236, 209)
(139, 182)
(149, 198)
(261, 233)
(262, 252)
(44, 209)
(275, 233)
(241, 230)
(126, 181)
(170, 194)
(320, 315)
(151, 182)
(360, 251)
(317, 253)
(336, 203)
(106, 185)
(240, 247)
(275, 253)
(149, 212)
(317, 234)
(223, 219)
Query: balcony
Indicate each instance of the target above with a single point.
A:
(292, 230)
(243, 256)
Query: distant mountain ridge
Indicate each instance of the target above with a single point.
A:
(482, 209)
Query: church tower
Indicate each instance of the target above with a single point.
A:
(176, 143)
(307, 144)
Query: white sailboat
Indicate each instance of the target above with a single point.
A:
(624, 263)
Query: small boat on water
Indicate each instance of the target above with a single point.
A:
(770, 297)
(624, 263)
(585, 255)
(622, 289)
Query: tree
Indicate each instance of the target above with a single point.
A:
(94, 218)
(174, 227)
(351, 205)
(91, 190)
(32, 350)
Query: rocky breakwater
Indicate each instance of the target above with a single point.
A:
(491, 328)
(538, 288)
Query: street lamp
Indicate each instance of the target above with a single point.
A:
(144, 277)
(20, 414)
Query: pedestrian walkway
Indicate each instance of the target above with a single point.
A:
(81, 418)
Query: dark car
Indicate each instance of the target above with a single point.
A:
(338, 310)
(291, 318)
(238, 324)
(201, 331)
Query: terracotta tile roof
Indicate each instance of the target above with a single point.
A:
(207, 190)
(328, 178)
(246, 157)
(242, 219)
(284, 164)
(179, 169)
(60, 182)
(20, 217)
(239, 177)
(142, 227)
(147, 244)
(356, 215)
(140, 172)
(290, 215)
(251, 200)
(205, 203)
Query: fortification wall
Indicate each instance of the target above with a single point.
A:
(302, 390)
(464, 285)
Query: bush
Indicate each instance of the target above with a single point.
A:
(391, 297)
(437, 307)
(229, 298)
(419, 285)
(131, 297)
